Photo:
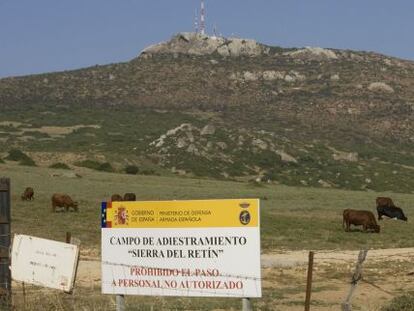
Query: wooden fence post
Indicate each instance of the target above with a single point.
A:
(5, 239)
(356, 277)
(309, 282)
(74, 241)
(246, 304)
(68, 237)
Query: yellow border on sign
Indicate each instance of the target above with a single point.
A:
(183, 214)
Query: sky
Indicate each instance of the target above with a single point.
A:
(39, 36)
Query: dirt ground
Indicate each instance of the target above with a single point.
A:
(386, 273)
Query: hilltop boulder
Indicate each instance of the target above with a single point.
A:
(197, 44)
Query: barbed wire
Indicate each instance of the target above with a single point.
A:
(376, 286)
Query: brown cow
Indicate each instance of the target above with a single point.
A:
(384, 202)
(366, 219)
(130, 196)
(63, 200)
(28, 194)
(116, 198)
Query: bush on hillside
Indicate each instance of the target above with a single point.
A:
(60, 165)
(1, 160)
(97, 166)
(94, 165)
(149, 172)
(105, 167)
(27, 162)
(131, 169)
(19, 156)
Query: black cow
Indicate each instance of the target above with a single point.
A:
(391, 211)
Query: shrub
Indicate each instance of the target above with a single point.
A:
(105, 167)
(88, 164)
(94, 165)
(60, 165)
(131, 169)
(1, 160)
(149, 172)
(17, 155)
(27, 162)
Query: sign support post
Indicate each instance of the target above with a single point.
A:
(5, 275)
(120, 303)
(247, 304)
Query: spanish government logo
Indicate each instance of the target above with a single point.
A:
(244, 205)
(121, 216)
(244, 217)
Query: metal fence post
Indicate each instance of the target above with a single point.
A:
(5, 239)
(247, 304)
(120, 303)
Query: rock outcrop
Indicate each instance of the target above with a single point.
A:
(198, 44)
(313, 53)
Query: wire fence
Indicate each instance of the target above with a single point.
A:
(321, 258)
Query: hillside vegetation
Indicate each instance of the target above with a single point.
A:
(227, 109)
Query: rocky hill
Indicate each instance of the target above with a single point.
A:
(227, 108)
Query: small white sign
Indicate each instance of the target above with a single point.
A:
(44, 262)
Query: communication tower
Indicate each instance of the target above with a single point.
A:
(202, 19)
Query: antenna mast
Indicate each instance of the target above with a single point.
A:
(196, 21)
(202, 19)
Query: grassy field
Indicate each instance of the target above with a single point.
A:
(291, 218)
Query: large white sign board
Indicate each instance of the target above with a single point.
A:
(44, 262)
(181, 248)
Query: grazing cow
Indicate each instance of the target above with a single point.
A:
(28, 194)
(391, 211)
(116, 198)
(130, 196)
(366, 219)
(384, 201)
(63, 200)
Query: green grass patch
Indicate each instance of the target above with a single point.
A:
(402, 303)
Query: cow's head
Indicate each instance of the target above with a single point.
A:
(75, 205)
(401, 215)
(376, 228)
